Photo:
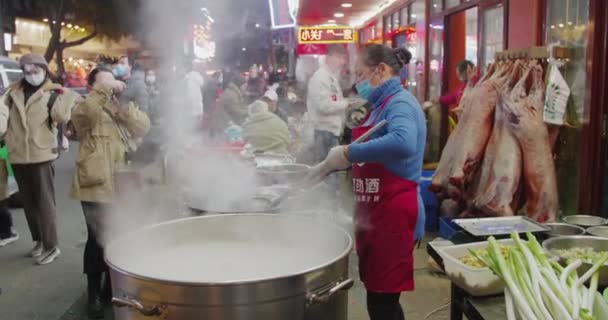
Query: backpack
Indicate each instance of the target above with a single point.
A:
(60, 126)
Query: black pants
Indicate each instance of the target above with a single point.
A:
(93, 251)
(384, 306)
(6, 221)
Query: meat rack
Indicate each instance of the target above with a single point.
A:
(534, 53)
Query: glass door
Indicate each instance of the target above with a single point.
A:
(567, 24)
(492, 34)
(435, 116)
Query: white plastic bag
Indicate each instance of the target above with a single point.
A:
(556, 98)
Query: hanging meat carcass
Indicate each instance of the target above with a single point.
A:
(525, 119)
(502, 164)
(466, 145)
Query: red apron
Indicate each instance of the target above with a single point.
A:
(385, 219)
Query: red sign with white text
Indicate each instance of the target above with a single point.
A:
(326, 35)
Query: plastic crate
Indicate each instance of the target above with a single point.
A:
(431, 205)
(432, 220)
(447, 228)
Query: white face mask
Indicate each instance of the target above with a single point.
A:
(35, 79)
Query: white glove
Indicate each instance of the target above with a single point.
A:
(335, 160)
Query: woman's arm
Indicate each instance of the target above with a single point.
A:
(88, 111)
(400, 141)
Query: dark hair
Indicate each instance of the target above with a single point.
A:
(463, 66)
(93, 74)
(336, 49)
(126, 57)
(376, 54)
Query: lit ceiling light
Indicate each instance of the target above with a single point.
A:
(552, 26)
(331, 21)
(347, 5)
(45, 20)
(63, 23)
(435, 5)
(244, 49)
(339, 15)
(257, 25)
(561, 25)
(570, 23)
(77, 27)
(413, 15)
(69, 25)
(54, 21)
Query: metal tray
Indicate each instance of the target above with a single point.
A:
(484, 227)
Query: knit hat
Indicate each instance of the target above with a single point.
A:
(272, 95)
(34, 58)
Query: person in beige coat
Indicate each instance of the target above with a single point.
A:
(107, 131)
(30, 111)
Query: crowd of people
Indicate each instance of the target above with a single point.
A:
(268, 114)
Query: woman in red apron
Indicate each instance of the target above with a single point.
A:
(386, 170)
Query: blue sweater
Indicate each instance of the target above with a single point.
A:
(399, 146)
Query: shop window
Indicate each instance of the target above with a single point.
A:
(388, 25)
(493, 34)
(415, 43)
(436, 6)
(567, 25)
(471, 34)
(396, 20)
(451, 3)
(403, 21)
(417, 12)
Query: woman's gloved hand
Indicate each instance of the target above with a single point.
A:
(336, 160)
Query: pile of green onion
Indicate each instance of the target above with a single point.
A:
(537, 288)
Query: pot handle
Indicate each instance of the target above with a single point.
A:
(323, 295)
(134, 304)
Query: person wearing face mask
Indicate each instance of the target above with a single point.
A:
(137, 90)
(30, 111)
(325, 101)
(107, 131)
(386, 169)
(153, 91)
(467, 73)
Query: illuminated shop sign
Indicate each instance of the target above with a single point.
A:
(326, 35)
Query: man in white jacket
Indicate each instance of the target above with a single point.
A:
(326, 103)
(194, 91)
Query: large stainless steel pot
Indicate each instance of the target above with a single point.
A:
(282, 174)
(232, 267)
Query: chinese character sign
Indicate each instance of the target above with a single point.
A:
(326, 35)
(366, 190)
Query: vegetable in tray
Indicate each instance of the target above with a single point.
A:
(588, 255)
(537, 288)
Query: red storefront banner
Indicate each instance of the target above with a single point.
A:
(318, 49)
(326, 35)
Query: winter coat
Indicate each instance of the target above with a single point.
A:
(231, 107)
(267, 133)
(194, 93)
(325, 102)
(103, 146)
(137, 91)
(30, 129)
